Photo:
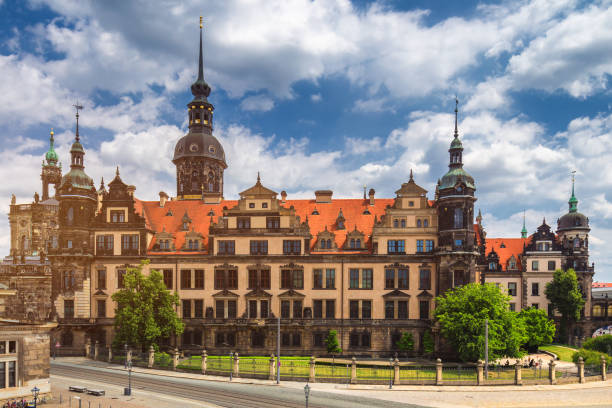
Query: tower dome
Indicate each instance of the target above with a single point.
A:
(51, 155)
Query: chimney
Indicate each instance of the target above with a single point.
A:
(163, 197)
(130, 190)
(283, 196)
(323, 196)
(371, 193)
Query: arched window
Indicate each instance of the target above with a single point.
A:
(419, 224)
(458, 218)
(70, 216)
(211, 181)
(426, 223)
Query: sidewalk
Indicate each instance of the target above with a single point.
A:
(336, 386)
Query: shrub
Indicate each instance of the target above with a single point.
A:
(331, 342)
(428, 343)
(163, 359)
(591, 357)
(602, 344)
(406, 342)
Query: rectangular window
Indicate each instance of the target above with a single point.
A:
(101, 278)
(101, 308)
(389, 309)
(273, 222)
(12, 373)
(535, 305)
(219, 279)
(318, 339)
(68, 308)
(227, 247)
(513, 307)
(366, 278)
(297, 340)
(129, 244)
(292, 279)
(354, 309)
(552, 265)
(330, 309)
(104, 244)
(397, 246)
(285, 279)
(168, 278)
(424, 309)
(231, 309)
(2, 375)
(259, 247)
(253, 309)
(512, 288)
(68, 282)
(185, 278)
(285, 339)
(354, 279)
(429, 245)
(120, 278)
(402, 278)
(419, 245)
(220, 309)
(298, 279)
(244, 222)
(285, 309)
(330, 278)
(389, 278)
(264, 279)
(297, 309)
(534, 265)
(263, 309)
(252, 278)
(366, 309)
(292, 246)
(317, 309)
(186, 309)
(117, 216)
(424, 279)
(535, 289)
(317, 279)
(232, 279)
(402, 309)
(199, 279)
(198, 308)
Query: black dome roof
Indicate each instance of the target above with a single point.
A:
(201, 144)
(573, 221)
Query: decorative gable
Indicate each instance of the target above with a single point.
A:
(355, 240)
(164, 241)
(326, 241)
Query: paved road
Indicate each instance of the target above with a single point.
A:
(222, 394)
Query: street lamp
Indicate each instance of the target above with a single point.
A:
(306, 393)
(35, 392)
(390, 373)
(231, 360)
(128, 390)
(125, 347)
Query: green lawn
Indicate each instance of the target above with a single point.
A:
(564, 353)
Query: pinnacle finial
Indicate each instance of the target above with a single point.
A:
(117, 171)
(573, 201)
(201, 23)
(52, 133)
(78, 107)
(201, 60)
(456, 112)
(411, 176)
(524, 230)
(258, 178)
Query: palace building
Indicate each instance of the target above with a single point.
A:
(367, 267)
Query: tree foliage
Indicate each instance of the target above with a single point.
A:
(462, 312)
(145, 310)
(602, 344)
(591, 357)
(333, 347)
(539, 328)
(428, 343)
(565, 296)
(406, 342)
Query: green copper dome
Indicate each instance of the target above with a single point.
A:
(456, 143)
(51, 155)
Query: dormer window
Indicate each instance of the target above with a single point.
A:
(419, 223)
(492, 266)
(403, 223)
(185, 226)
(244, 222)
(395, 223)
(117, 216)
(512, 264)
(425, 223)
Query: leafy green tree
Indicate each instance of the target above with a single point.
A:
(539, 328)
(405, 343)
(145, 310)
(333, 347)
(428, 343)
(600, 343)
(462, 312)
(565, 296)
(591, 357)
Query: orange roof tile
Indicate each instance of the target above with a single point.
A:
(511, 246)
(602, 285)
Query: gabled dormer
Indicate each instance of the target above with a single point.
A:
(493, 261)
(326, 241)
(340, 220)
(164, 241)
(185, 222)
(355, 240)
(194, 241)
(411, 195)
(543, 240)
(116, 206)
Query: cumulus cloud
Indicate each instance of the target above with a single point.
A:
(261, 103)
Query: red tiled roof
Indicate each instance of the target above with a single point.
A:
(352, 209)
(602, 284)
(512, 246)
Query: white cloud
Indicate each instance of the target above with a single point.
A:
(259, 103)
(362, 146)
(316, 97)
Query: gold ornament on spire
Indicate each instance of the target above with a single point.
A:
(201, 24)
(51, 133)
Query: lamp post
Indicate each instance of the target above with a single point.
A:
(128, 390)
(125, 347)
(231, 364)
(278, 363)
(35, 392)
(307, 393)
(390, 373)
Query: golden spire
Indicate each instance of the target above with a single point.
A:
(201, 24)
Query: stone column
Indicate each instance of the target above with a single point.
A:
(581, 370)
(396, 371)
(236, 365)
(96, 349)
(353, 370)
(518, 374)
(552, 372)
(151, 357)
(603, 368)
(438, 372)
(480, 373)
(110, 354)
(272, 372)
(175, 358)
(311, 375)
(204, 362)
(87, 350)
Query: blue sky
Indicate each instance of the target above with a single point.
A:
(324, 94)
